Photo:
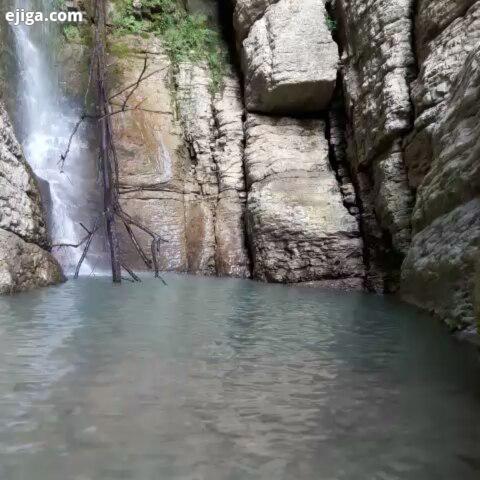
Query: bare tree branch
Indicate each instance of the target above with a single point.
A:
(71, 245)
(63, 156)
(132, 91)
(137, 246)
(135, 277)
(108, 160)
(128, 87)
(87, 246)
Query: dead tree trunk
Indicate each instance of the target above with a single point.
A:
(108, 161)
(106, 146)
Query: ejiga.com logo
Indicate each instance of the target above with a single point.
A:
(29, 17)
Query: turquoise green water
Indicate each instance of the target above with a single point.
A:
(210, 379)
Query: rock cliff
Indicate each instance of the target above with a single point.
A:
(410, 80)
(233, 189)
(344, 155)
(339, 148)
(24, 260)
(439, 270)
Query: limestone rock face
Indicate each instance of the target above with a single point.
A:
(378, 58)
(454, 28)
(20, 202)
(180, 160)
(439, 269)
(289, 58)
(434, 16)
(213, 129)
(438, 273)
(378, 64)
(23, 263)
(24, 266)
(151, 165)
(298, 227)
(246, 13)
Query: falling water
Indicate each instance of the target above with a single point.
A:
(45, 118)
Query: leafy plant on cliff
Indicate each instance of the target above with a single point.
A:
(186, 37)
(330, 22)
(72, 33)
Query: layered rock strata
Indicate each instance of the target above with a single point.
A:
(301, 214)
(180, 162)
(298, 227)
(187, 163)
(377, 65)
(289, 58)
(439, 271)
(446, 32)
(24, 260)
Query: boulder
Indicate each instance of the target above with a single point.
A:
(299, 229)
(289, 59)
(24, 266)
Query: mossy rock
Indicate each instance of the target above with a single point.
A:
(186, 37)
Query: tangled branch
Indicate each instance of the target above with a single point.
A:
(108, 160)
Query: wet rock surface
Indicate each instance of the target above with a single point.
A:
(440, 267)
(298, 227)
(20, 203)
(377, 65)
(181, 169)
(24, 264)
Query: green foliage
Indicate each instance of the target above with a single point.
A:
(120, 50)
(330, 22)
(186, 37)
(76, 33)
(58, 4)
(72, 33)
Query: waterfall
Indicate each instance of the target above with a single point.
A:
(45, 118)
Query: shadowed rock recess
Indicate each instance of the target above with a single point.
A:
(340, 149)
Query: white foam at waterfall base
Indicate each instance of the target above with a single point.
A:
(46, 120)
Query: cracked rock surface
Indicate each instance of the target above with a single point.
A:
(289, 58)
(181, 164)
(24, 261)
(440, 267)
(298, 227)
